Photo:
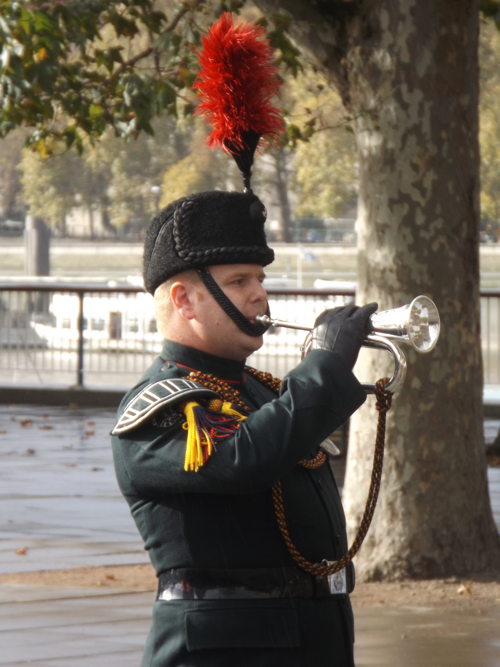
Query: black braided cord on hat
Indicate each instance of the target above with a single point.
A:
(228, 306)
(205, 256)
(180, 227)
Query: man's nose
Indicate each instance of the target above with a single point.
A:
(259, 293)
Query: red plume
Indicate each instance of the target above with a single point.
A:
(236, 82)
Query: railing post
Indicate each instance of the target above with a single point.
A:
(80, 348)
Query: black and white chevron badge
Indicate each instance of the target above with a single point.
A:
(157, 396)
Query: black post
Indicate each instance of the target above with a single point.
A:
(36, 247)
(80, 350)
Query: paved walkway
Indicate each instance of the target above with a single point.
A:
(94, 628)
(60, 508)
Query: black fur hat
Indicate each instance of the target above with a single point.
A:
(204, 229)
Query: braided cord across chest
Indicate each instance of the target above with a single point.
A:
(384, 399)
(231, 394)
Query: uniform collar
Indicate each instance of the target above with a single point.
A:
(193, 359)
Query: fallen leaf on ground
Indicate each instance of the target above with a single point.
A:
(465, 589)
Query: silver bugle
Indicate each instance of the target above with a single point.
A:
(416, 324)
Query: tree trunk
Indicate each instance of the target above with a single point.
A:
(408, 72)
(90, 211)
(418, 233)
(109, 228)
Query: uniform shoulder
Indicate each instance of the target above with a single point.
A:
(162, 391)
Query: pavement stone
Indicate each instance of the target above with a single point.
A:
(95, 628)
(61, 506)
(73, 627)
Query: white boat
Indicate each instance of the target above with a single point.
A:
(114, 322)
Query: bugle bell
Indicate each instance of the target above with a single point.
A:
(416, 324)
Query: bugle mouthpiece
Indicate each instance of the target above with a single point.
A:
(265, 320)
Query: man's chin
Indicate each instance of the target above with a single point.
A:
(254, 344)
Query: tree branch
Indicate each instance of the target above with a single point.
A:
(319, 28)
(187, 7)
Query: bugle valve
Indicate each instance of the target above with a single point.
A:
(416, 324)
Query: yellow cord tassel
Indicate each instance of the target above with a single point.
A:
(197, 438)
(226, 408)
(204, 425)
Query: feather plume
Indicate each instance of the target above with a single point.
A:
(236, 82)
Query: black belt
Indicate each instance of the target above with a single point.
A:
(221, 584)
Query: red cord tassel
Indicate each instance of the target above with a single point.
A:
(236, 82)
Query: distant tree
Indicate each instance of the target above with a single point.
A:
(11, 201)
(325, 163)
(275, 182)
(137, 167)
(326, 174)
(112, 178)
(198, 168)
(50, 193)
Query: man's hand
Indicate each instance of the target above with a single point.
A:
(343, 330)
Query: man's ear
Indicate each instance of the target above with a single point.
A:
(181, 296)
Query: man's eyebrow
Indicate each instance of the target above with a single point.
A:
(244, 273)
(240, 273)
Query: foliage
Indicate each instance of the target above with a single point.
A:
(50, 193)
(137, 167)
(11, 197)
(201, 168)
(74, 72)
(71, 69)
(325, 163)
(113, 177)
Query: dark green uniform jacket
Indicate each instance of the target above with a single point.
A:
(221, 517)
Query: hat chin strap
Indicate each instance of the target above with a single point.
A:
(242, 322)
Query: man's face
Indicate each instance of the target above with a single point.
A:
(242, 284)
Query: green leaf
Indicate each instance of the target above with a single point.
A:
(95, 111)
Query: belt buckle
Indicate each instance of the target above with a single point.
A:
(337, 582)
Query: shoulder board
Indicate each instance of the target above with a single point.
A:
(154, 397)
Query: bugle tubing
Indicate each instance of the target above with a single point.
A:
(416, 324)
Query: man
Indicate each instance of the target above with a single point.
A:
(222, 466)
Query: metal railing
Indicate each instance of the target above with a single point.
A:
(85, 335)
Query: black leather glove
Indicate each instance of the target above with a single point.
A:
(343, 330)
